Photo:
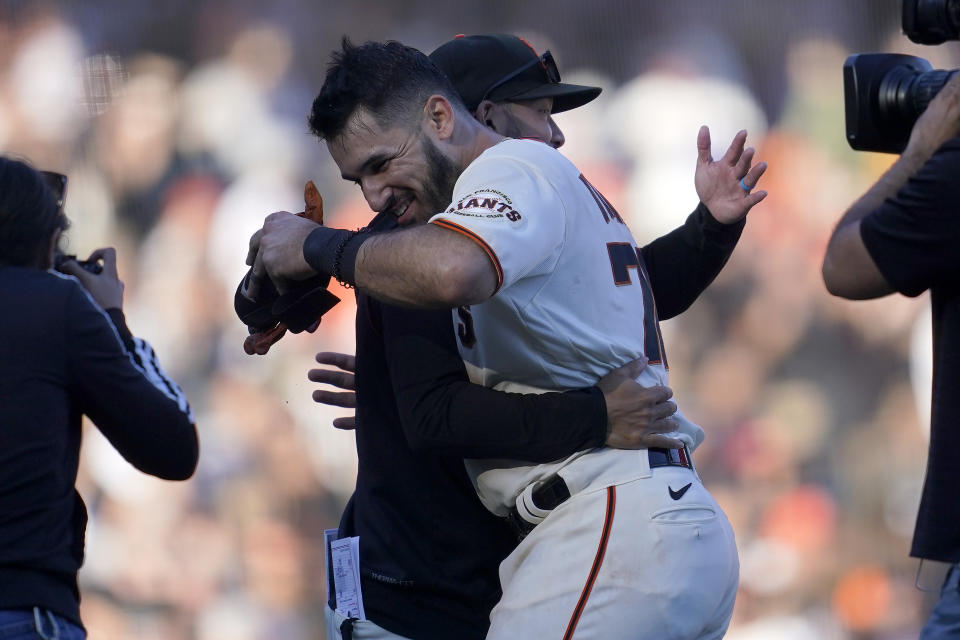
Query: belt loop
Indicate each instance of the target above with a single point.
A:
(346, 629)
(38, 624)
(685, 458)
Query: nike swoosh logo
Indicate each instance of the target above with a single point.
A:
(676, 495)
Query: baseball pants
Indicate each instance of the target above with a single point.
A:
(626, 561)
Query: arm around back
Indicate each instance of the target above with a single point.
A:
(441, 410)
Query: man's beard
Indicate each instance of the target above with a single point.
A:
(443, 174)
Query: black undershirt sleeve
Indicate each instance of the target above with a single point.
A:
(683, 263)
(441, 410)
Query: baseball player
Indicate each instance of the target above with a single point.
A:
(428, 549)
(484, 71)
(622, 544)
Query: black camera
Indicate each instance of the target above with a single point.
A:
(931, 21)
(93, 266)
(885, 93)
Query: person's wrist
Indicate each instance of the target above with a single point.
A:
(916, 147)
(708, 218)
(333, 252)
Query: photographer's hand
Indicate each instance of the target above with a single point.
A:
(938, 123)
(105, 288)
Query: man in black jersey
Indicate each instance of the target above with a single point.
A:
(902, 236)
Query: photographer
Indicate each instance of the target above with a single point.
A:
(65, 351)
(904, 235)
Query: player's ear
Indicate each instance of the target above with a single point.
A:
(484, 114)
(489, 114)
(439, 117)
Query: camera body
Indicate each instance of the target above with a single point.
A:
(885, 93)
(93, 266)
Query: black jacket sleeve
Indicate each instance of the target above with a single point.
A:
(682, 263)
(119, 384)
(442, 410)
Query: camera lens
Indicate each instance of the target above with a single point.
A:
(926, 86)
(904, 93)
(931, 21)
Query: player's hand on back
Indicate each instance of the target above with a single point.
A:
(718, 183)
(637, 416)
(342, 379)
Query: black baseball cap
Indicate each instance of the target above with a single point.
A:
(504, 68)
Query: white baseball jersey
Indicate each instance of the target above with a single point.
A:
(573, 299)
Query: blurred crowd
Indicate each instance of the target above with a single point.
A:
(814, 408)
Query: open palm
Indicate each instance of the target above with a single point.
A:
(718, 183)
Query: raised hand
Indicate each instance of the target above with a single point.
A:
(343, 379)
(726, 185)
(637, 416)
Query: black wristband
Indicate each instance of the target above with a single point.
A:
(334, 252)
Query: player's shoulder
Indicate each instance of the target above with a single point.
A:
(521, 156)
(523, 149)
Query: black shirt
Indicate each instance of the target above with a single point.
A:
(62, 357)
(429, 551)
(914, 238)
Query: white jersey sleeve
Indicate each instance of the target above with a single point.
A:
(506, 206)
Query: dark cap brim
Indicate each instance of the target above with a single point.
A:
(565, 96)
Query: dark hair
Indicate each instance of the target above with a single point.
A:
(389, 79)
(28, 214)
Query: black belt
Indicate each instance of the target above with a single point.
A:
(554, 492)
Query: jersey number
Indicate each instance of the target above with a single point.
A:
(623, 257)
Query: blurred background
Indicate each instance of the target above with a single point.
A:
(182, 123)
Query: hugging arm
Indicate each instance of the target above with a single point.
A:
(441, 409)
